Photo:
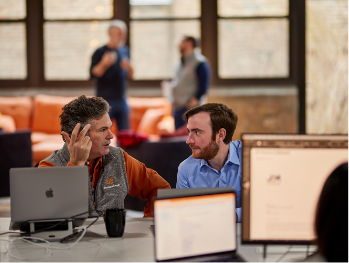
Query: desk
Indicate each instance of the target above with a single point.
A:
(136, 245)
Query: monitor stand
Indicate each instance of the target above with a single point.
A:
(62, 229)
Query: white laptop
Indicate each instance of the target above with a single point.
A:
(48, 193)
(195, 225)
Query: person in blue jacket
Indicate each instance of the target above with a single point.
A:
(215, 159)
(110, 68)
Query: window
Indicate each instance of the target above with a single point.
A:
(73, 30)
(253, 39)
(253, 48)
(156, 28)
(13, 48)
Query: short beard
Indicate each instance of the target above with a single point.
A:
(208, 152)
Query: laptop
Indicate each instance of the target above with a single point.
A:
(195, 225)
(47, 194)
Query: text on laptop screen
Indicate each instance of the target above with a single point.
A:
(283, 176)
(190, 226)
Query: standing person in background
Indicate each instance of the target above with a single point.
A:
(191, 82)
(122, 47)
(110, 67)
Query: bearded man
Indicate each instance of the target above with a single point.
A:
(215, 159)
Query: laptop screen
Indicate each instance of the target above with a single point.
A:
(195, 225)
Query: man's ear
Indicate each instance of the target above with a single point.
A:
(221, 134)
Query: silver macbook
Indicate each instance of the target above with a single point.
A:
(195, 225)
(48, 193)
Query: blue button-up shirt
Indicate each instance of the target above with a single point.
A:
(197, 173)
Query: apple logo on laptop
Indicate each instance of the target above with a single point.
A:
(49, 193)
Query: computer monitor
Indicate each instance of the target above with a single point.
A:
(282, 178)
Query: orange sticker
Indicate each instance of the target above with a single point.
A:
(110, 181)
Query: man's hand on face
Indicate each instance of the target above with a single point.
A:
(79, 145)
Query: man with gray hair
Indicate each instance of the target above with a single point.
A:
(85, 126)
(110, 68)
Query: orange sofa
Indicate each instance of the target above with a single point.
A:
(41, 113)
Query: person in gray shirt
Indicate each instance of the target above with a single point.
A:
(191, 81)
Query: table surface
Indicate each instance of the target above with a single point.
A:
(136, 245)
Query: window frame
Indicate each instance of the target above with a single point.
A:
(18, 82)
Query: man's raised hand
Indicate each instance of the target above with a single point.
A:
(79, 145)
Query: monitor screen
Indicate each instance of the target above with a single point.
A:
(282, 179)
(184, 225)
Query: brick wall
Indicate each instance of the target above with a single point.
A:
(269, 111)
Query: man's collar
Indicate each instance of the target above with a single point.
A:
(188, 57)
(233, 156)
(66, 154)
(111, 47)
(99, 161)
(107, 158)
(203, 162)
(192, 54)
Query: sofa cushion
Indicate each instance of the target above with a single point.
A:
(167, 125)
(46, 113)
(7, 123)
(44, 149)
(150, 120)
(37, 137)
(20, 108)
(139, 106)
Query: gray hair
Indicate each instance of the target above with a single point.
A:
(123, 27)
(82, 110)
